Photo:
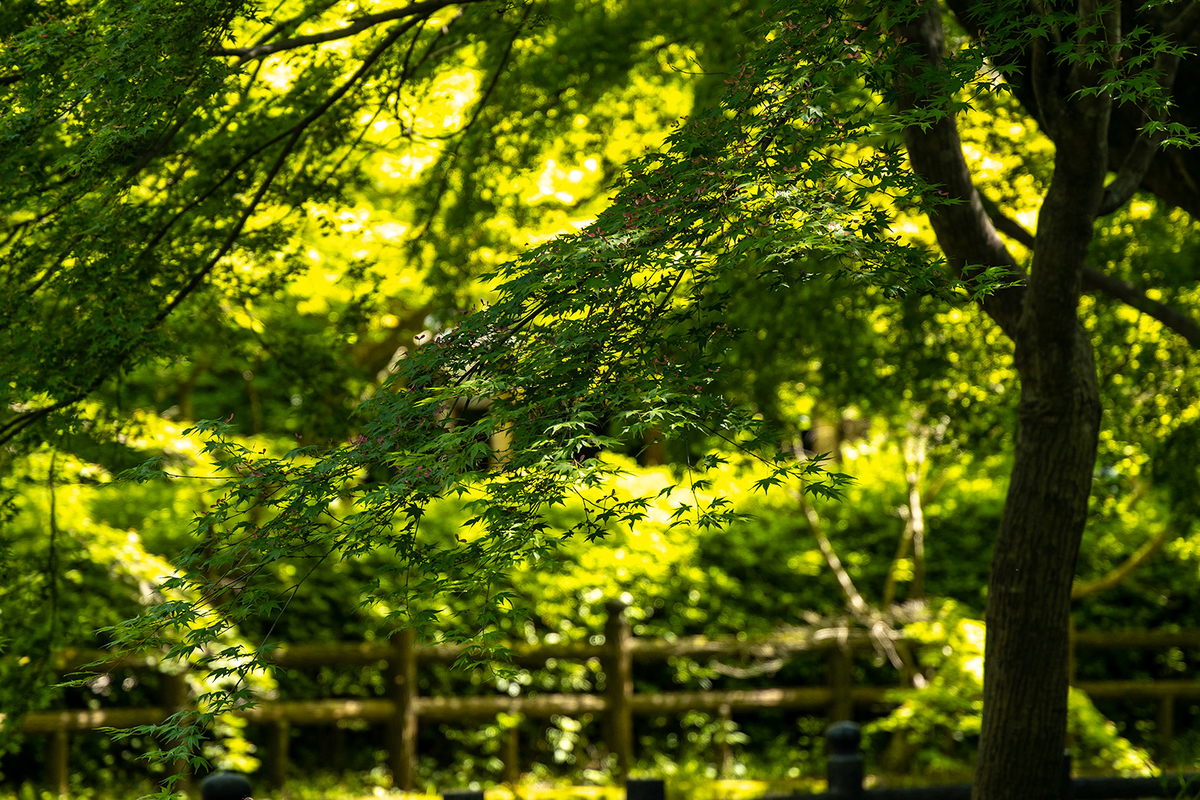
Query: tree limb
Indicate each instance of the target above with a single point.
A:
(359, 25)
(1096, 281)
(1132, 296)
(1185, 25)
(964, 231)
(1006, 224)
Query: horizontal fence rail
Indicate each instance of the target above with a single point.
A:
(403, 707)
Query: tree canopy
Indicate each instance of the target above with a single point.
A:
(168, 166)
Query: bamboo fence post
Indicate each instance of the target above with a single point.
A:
(618, 674)
(402, 727)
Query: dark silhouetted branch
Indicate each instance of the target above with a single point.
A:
(357, 26)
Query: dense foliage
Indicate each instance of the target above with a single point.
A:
(295, 254)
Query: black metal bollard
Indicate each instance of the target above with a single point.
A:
(224, 786)
(645, 789)
(844, 767)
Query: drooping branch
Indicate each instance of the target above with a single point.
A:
(290, 138)
(1185, 26)
(1006, 224)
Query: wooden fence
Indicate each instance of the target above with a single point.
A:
(403, 707)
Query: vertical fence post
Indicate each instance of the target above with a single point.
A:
(1068, 787)
(618, 676)
(844, 764)
(840, 680)
(645, 789)
(512, 756)
(57, 769)
(277, 752)
(724, 751)
(402, 727)
(1165, 728)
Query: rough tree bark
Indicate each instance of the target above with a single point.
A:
(1029, 589)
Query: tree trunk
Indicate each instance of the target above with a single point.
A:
(1029, 589)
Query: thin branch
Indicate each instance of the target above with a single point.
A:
(1120, 573)
(52, 555)
(444, 181)
(858, 606)
(914, 456)
(316, 113)
(297, 132)
(293, 22)
(491, 87)
(914, 525)
(1184, 26)
(357, 26)
(889, 584)
(10, 429)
